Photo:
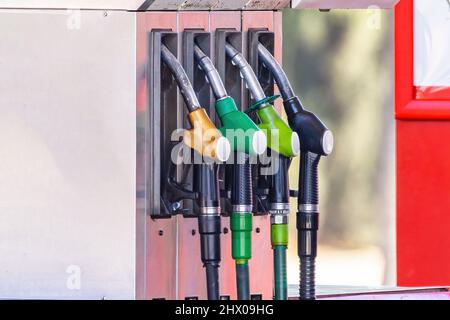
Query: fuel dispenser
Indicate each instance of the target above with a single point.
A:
(144, 80)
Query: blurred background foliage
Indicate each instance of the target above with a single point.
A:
(340, 64)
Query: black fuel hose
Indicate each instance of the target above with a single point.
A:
(243, 285)
(209, 224)
(308, 223)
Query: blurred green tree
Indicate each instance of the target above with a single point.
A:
(340, 65)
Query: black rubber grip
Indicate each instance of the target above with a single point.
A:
(242, 189)
(308, 183)
(279, 191)
(209, 229)
(307, 226)
(206, 185)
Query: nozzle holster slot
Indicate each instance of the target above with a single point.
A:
(267, 39)
(161, 177)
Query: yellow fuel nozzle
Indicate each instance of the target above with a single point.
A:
(205, 138)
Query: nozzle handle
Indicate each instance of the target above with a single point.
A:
(205, 138)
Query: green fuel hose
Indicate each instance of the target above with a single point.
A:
(279, 239)
(280, 280)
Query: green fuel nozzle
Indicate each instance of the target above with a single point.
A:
(280, 138)
(242, 133)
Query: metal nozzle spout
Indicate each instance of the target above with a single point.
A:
(181, 77)
(247, 72)
(211, 72)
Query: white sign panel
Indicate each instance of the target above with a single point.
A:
(432, 43)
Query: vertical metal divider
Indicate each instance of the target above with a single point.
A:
(266, 37)
(161, 92)
(203, 92)
(191, 279)
(231, 21)
(261, 266)
(177, 221)
(181, 123)
(232, 81)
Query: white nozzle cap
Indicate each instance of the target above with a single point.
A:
(328, 142)
(223, 149)
(259, 143)
(295, 143)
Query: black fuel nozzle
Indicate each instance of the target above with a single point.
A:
(315, 137)
(316, 141)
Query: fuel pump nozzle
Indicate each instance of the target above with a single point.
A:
(203, 136)
(280, 137)
(316, 141)
(285, 144)
(208, 141)
(247, 139)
